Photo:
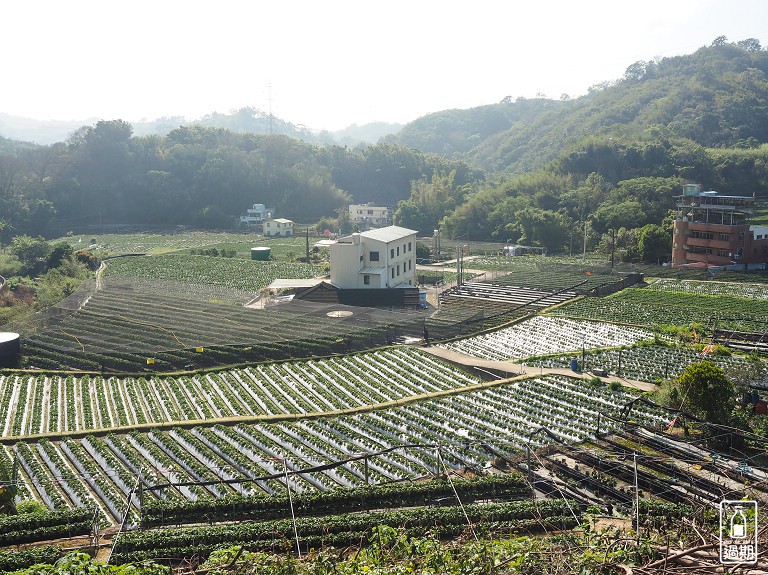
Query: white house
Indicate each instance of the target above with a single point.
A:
(278, 227)
(380, 258)
(257, 214)
(368, 213)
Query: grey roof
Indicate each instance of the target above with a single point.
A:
(388, 234)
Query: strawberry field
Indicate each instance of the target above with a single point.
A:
(652, 363)
(544, 335)
(245, 459)
(656, 307)
(38, 404)
(742, 290)
(238, 274)
(127, 321)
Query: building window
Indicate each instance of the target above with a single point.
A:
(392, 252)
(409, 246)
(393, 272)
(367, 279)
(724, 237)
(373, 256)
(398, 250)
(398, 269)
(702, 235)
(723, 253)
(409, 264)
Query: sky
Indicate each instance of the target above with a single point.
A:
(333, 63)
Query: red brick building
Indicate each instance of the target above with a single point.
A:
(712, 229)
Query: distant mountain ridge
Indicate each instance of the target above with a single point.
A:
(246, 120)
(716, 97)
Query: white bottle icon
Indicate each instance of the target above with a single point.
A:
(738, 524)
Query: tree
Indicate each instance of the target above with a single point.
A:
(704, 390)
(654, 243)
(31, 252)
(621, 215)
(750, 44)
(423, 251)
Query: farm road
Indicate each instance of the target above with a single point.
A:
(517, 369)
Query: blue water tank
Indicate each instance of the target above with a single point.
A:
(575, 364)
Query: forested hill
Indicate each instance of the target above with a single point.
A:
(717, 97)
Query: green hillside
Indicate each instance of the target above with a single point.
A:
(716, 97)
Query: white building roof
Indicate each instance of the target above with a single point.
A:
(282, 221)
(324, 243)
(388, 234)
(294, 283)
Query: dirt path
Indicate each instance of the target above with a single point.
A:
(517, 369)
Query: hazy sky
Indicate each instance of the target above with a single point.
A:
(330, 63)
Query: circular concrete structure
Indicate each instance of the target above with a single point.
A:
(10, 347)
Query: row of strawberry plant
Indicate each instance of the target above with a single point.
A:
(546, 334)
(239, 508)
(743, 290)
(42, 526)
(652, 363)
(341, 530)
(472, 429)
(53, 403)
(641, 306)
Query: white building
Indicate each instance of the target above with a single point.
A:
(380, 258)
(257, 214)
(278, 227)
(368, 213)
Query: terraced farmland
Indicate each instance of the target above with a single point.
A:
(545, 273)
(128, 321)
(656, 307)
(541, 335)
(471, 429)
(650, 363)
(716, 288)
(238, 274)
(38, 404)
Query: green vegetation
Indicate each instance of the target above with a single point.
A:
(335, 501)
(653, 98)
(345, 529)
(230, 273)
(704, 390)
(592, 175)
(39, 274)
(661, 308)
(653, 362)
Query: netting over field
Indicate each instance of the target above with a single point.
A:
(140, 316)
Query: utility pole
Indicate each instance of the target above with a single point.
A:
(307, 244)
(637, 501)
(458, 264)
